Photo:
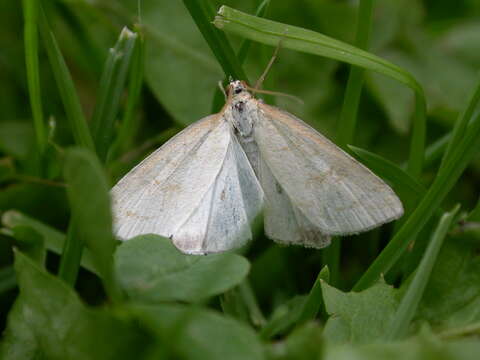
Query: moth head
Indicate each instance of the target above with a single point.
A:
(237, 87)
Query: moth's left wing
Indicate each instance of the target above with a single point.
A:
(332, 190)
(198, 189)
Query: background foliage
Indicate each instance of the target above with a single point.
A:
(89, 88)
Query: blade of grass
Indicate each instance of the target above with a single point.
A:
(348, 119)
(30, 13)
(202, 13)
(460, 128)
(112, 84)
(314, 300)
(53, 239)
(454, 165)
(299, 39)
(68, 94)
(89, 199)
(414, 293)
(127, 126)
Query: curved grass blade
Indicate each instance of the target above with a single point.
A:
(112, 84)
(68, 94)
(414, 293)
(299, 39)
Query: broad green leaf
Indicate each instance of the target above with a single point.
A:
(48, 321)
(361, 317)
(150, 269)
(452, 297)
(194, 333)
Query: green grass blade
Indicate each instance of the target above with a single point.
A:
(299, 39)
(127, 126)
(30, 12)
(53, 239)
(112, 84)
(457, 162)
(314, 300)
(87, 191)
(414, 293)
(460, 127)
(68, 94)
(203, 13)
(348, 115)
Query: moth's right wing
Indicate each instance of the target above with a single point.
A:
(198, 189)
(332, 190)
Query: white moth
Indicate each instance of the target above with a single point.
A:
(205, 186)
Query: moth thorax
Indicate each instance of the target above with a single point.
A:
(243, 117)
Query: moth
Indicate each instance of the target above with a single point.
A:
(205, 186)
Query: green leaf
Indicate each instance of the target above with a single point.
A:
(361, 317)
(452, 298)
(87, 191)
(150, 269)
(194, 333)
(49, 321)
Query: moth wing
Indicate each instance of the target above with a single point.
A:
(283, 222)
(331, 189)
(198, 189)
